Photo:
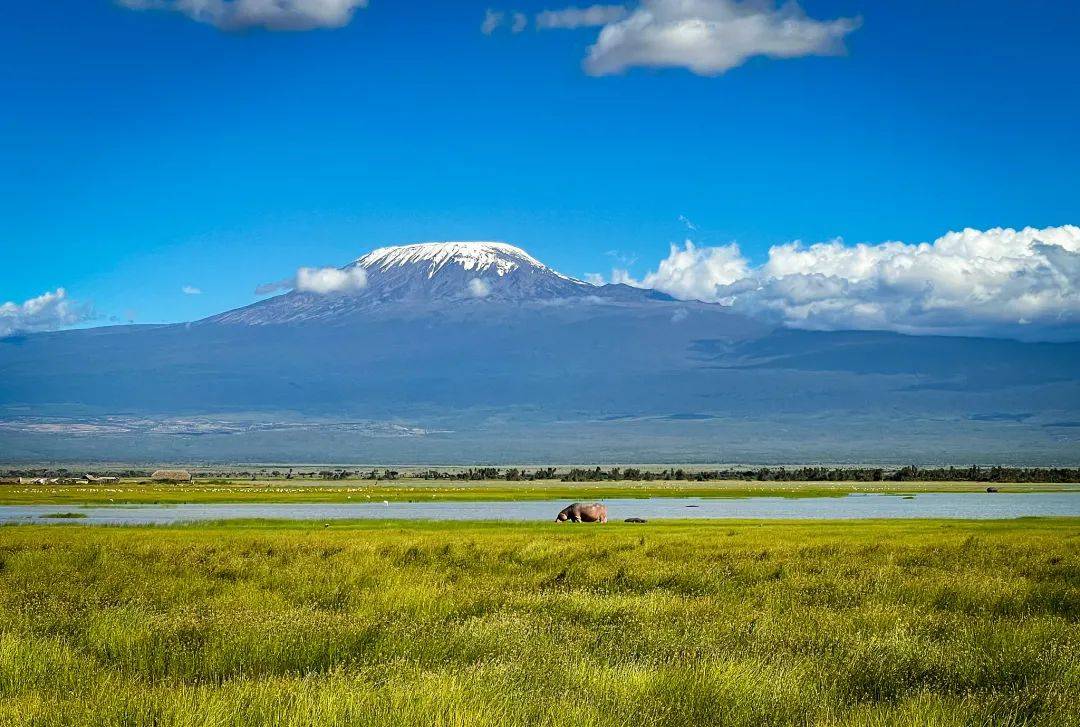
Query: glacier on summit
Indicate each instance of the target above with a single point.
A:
(498, 257)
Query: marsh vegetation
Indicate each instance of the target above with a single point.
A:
(858, 623)
(135, 491)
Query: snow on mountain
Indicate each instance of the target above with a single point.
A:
(480, 257)
(412, 277)
(446, 271)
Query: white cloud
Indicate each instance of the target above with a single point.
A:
(692, 272)
(492, 20)
(47, 312)
(708, 37)
(268, 14)
(521, 21)
(191, 290)
(994, 282)
(323, 281)
(330, 280)
(571, 18)
(479, 288)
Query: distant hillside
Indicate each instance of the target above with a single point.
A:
(476, 352)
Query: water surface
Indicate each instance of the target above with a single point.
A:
(964, 505)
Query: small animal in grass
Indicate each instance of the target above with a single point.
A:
(583, 512)
(991, 489)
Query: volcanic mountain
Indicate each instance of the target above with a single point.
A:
(432, 275)
(477, 352)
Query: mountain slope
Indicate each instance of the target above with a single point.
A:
(531, 365)
(428, 273)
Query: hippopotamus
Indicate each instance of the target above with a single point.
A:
(583, 512)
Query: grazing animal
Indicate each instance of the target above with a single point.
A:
(991, 489)
(583, 512)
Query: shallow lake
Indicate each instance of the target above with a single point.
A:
(927, 505)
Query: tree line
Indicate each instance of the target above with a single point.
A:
(910, 473)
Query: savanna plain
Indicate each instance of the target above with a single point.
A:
(451, 623)
(135, 491)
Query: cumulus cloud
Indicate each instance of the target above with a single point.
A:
(268, 14)
(492, 20)
(479, 288)
(46, 312)
(323, 281)
(330, 280)
(707, 37)
(691, 272)
(573, 17)
(1024, 283)
(191, 290)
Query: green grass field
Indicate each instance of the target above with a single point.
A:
(380, 623)
(135, 492)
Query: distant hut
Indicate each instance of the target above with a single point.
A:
(171, 476)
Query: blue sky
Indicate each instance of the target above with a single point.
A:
(141, 151)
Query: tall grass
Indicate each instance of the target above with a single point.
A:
(420, 490)
(862, 623)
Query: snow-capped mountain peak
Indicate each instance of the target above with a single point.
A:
(406, 278)
(478, 257)
(448, 271)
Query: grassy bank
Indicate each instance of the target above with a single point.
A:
(136, 492)
(857, 623)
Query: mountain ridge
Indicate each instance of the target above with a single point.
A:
(401, 277)
(539, 367)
